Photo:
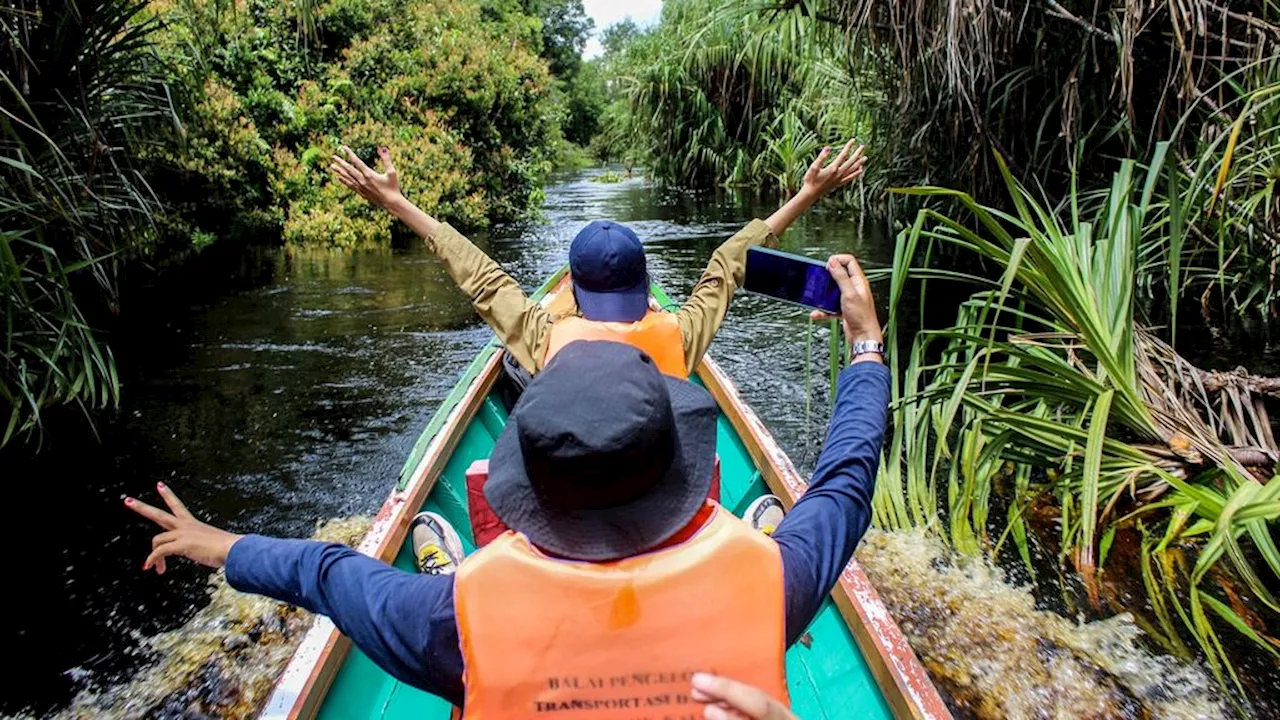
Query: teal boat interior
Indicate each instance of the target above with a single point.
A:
(827, 674)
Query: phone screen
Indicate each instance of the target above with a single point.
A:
(792, 278)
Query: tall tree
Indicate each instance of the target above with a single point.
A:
(618, 35)
(565, 27)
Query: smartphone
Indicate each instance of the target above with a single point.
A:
(792, 278)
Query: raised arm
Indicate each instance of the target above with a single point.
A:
(702, 314)
(818, 181)
(521, 324)
(819, 534)
(404, 622)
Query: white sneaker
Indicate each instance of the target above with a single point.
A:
(765, 513)
(437, 548)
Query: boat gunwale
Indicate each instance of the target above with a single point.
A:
(901, 677)
(383, 542)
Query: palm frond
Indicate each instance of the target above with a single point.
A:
(1051, 375)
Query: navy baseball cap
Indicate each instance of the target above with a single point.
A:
(610, 275)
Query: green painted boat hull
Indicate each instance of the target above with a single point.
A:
(827, 674)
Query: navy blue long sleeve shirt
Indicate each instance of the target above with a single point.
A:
(405, 621)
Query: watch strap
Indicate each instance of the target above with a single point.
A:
(863, 347)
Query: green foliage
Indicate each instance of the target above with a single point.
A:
(435, 168)
(718, 95)
(456, 89)
(585, 99)
(1052, 87)
(570, 157)
(1048, 390)
(1223, 199)
(934, 87)
(76, 107)
(787, 149)
(565, 27)
(614, 143)
(615, 38)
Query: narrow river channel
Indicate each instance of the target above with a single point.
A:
(285, 389)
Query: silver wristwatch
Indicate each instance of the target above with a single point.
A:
(863, 347)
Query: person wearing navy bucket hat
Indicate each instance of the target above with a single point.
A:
(608, 269)
(616, 564)
(605, 457)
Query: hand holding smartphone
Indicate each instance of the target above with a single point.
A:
(792, 278)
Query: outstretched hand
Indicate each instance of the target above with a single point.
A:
(380, 188)
(822, 178)
(857, 304)
(183, 536)
(731, 700)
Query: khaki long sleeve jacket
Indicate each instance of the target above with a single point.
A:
(524, 326)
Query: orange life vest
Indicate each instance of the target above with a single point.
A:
(556, 639)
(657, 333)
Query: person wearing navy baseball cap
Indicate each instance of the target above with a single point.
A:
(610, 275)
(609, 272)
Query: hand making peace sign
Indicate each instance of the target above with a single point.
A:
(183, 536)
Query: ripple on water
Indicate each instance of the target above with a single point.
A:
(315, 313)
(269, 347)
(222, 663)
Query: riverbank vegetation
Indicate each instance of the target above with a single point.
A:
(1115, 167)
(136, 133)
(459, 89)
(728, 92)
(1052, 413)
(74, 99)
(716, 95)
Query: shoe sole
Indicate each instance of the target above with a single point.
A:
(755, 505)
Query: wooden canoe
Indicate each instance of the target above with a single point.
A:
(853, 661)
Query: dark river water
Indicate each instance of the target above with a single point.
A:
(287, 387)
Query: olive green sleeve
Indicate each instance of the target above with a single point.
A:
(521, 324)
(701, 315)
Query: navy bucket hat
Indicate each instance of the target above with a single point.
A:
(603, 457)
(610, 275)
